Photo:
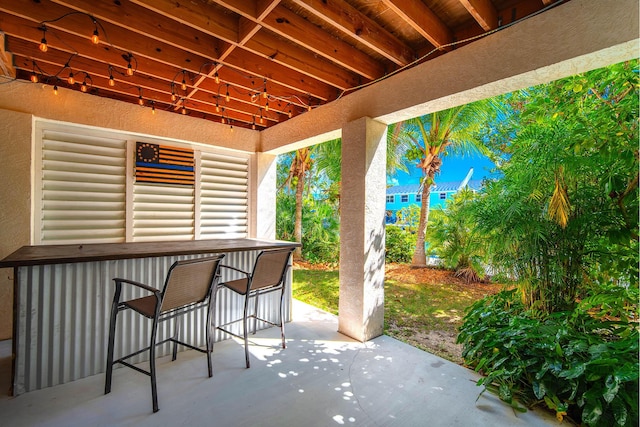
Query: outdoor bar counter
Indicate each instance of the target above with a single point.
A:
(62, 297)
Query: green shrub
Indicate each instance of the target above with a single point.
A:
(582, 364)
(400, 244)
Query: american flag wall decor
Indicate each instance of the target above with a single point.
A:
(161, 164)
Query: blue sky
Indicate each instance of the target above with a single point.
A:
(454, 168)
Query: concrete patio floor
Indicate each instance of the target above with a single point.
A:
(322, 378)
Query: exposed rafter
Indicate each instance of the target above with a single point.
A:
(255, 63)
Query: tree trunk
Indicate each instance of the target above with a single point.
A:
(419, 258)
(297, 226)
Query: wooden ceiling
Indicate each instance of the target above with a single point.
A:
(245, 63)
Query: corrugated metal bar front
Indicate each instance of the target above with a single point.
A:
(63, 315)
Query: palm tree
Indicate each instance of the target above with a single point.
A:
(300, 166)
(430, 138)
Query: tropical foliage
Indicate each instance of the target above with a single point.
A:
(313, 206)
(399, 244)
(562, 222)
(454, 237)
(582, 364)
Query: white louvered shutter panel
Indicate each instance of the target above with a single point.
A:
(163, 212)
(224, 182)
(82, 189)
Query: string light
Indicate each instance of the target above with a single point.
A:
(85, 87)
(95, 38)
(86, 84)
(112, 82)
(153, 107)
(43, 43)
(34, 76)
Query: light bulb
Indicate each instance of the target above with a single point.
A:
(264, 93)
(55, 89)
(309, 108)
(231, 128)
(216, 78)
(112, 82)
(84, 87)
(70, 79)
(266, 106)
(183, 85)
(43, 45)
(184, 111)
(34, 78)
(140, 100)
(95, 38)
(222, 120)
(129, 70)
(290, 114)
(173, 96)
(217, 107)
(227, 97)
(261, 119)
(153, 109)
(253, 125)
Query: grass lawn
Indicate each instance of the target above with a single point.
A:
(423, 307)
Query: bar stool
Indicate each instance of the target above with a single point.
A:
(188, 286)
(268, 275)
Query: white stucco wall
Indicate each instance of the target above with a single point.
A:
(15, 201)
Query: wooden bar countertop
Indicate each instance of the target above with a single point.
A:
(61, 254)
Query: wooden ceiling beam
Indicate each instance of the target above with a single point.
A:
(268, 45)
(423, 20)
(52, 62)
(153, 49)
(298, 30)
(199, 22)
(22, 29)
(483, 12)
(139, 20)
(351, 22)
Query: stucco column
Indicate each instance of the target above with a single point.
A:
(263, 200)
(362, 205)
